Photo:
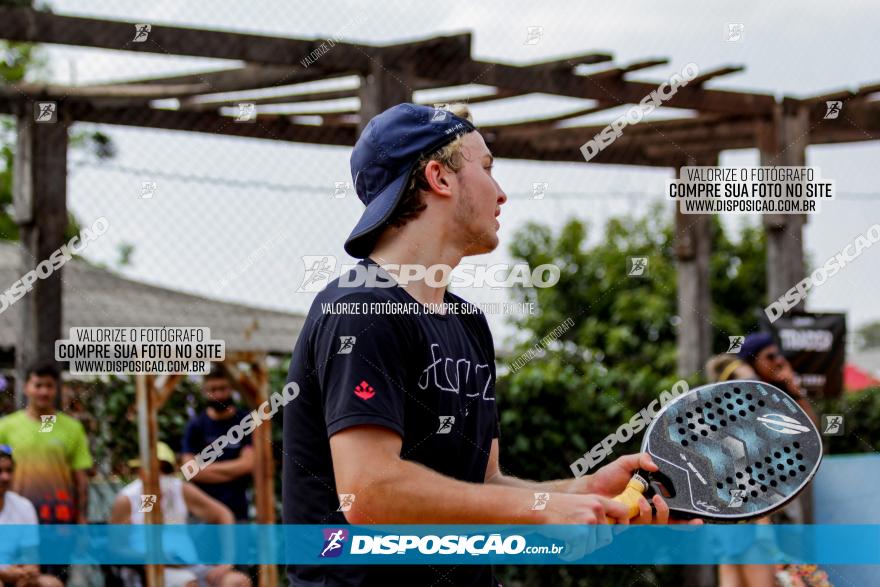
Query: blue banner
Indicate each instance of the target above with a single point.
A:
(453, 544)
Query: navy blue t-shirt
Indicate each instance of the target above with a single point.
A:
(202, 431)
(429, 377)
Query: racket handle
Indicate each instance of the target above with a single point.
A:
(636, 487)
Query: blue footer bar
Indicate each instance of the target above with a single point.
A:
(420, 544)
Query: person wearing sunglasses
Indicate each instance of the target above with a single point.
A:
(15, 509)
(761, 352)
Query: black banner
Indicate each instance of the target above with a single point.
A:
(815, 345)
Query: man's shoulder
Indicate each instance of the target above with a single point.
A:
(13, 418)
(19, 503)
(69, 423)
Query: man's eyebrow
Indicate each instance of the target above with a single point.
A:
(491, 158)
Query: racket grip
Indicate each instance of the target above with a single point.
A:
(636, 487)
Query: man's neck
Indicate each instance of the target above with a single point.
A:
(221, 415)
(35, 413)
(2, 501)
(401, 252)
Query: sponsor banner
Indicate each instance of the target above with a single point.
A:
(440, 544)
(815, 345)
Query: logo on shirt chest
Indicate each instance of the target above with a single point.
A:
(457, 374)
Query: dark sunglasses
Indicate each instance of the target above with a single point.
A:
(773, 356)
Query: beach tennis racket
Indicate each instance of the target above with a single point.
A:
(727, 452)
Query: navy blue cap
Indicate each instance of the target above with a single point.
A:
(754, 344)
(383, 160)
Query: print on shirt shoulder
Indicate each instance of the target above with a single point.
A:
(453, 374)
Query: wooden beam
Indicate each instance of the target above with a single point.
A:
(40, 209)
(619, 72)
(383, 88)
(32, 26)
(543, 80)
(713, 73)
(167, 388)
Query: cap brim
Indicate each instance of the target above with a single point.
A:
(362, 239)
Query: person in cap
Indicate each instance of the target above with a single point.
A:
(178, 500)
(761, 352)
(396, 420)
(18, 510)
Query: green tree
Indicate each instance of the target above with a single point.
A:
(618, 354)
(868, 336)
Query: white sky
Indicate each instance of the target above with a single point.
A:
(221, 199)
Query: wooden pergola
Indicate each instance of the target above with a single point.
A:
(721, 120)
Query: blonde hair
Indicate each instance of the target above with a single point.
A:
(449, 155)
(721, 367)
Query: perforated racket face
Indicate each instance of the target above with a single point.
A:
(733, 451)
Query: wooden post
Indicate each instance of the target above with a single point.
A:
(148, 436)
(255, 388)
(381, 89)
(783, 142)
(693, 243)
(40, 206)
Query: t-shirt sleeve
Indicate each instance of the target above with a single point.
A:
(80, 457)
(360, 363)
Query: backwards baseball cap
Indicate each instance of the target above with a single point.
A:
(383, 160)
(753, 344)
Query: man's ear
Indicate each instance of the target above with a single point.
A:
(437, 176)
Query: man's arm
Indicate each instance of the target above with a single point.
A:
(82, 496)
(223, 471)
(205, 507)
(389, 490)
(496, 477)
(121, 510)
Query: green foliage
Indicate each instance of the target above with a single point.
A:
(619, 354)
(868, 336)
(109, 405)
(861, 413)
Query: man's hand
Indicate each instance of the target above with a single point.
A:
(611, 480)
(215, 575)
(569, 508)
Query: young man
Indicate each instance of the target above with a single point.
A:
(52, 452)
(178, 500)
(228, 478)
(15, 509)
(396, 421)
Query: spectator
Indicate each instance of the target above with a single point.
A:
(52, 452)
(728, 367)
(178, 500)
(226, 479)
(15, 509)
(762, 354)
